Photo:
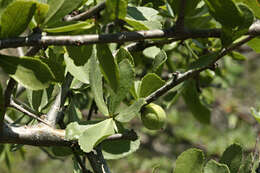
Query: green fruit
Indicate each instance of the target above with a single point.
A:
(153, 117)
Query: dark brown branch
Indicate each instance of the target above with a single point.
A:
(87, 14)
(7, 96)
(97, 161)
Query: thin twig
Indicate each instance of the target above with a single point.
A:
(7, 96)
(87, 14)
(25, 109)
(191, 73)
(92, 108)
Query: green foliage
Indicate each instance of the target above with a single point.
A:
(108, 65)
(150, 83)
(132, 111)
(116, 9)
(214, 167)
(20, 13)
(99, 89)
(232, 157)
(58, 9)
(190, 161)
(192, 100)
(30, 72)
(255, 44)
(95, 79)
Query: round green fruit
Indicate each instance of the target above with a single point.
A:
(153, 117)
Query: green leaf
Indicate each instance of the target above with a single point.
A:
(61, 151)
(30, 72)
(255, 44)
(35, 98)
(74, 130)
(256, 114)
(129, 113)
(4, 4)
(41, 12)
(56, 63)
(122, 54)
(237, 56)
(71, 26)
(193, 102)
(90, 138)
(150, 83)
(214, 167)
(108, 65)
(225, 12)
(143, 18)
(190, 6)
(232, 157)
(16, 17)
(204, 61)
(116, 9)
(151, 52)
(73, 113)
(190, 161)
(253, 4)
(96, 84)
(119, 149)
(79, 72)
(40, 98)
(230, 34)
(80, 54)
(126, 81)
(159, 61)
(58, 9)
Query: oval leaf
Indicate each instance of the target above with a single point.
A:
(119, 148)
(214, 167)
(190, 161)
(30, 72)
(16, 17)
(90, 138)
(130, 112)
(232, 157)
(96, 84)
(150, 83)
(108, 65)
(126, 81)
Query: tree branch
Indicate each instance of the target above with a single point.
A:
(87, 14)
(97, 161)
(24, 109)
(42, 135)
(179, 78)
(56, 108)
(41, 40)
(38, 40)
